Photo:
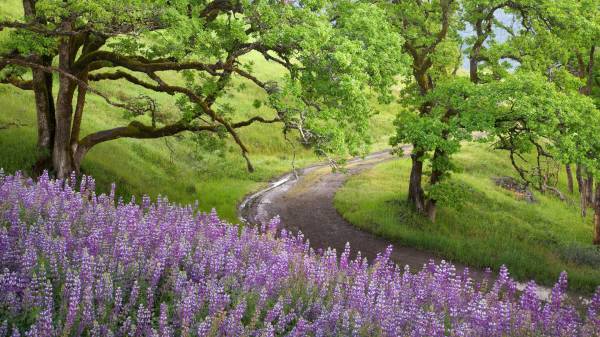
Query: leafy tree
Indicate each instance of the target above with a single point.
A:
(430, 31)
(331, 52)
(530, 115)
(482, 20)
(529, 105)
(559, 40)
(577, 36)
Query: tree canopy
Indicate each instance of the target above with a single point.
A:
(530, 79)
(331, 51)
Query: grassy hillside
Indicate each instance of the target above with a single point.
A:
(491, 228)
(174, 166)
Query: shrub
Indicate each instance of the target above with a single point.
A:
(582, 255)
(76, 263)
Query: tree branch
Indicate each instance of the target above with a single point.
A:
(138, 63)
(214, 8)
(138, 130)
(38, 28)
(255, 119)
(445, 4)
(119, 74)
(21, 84)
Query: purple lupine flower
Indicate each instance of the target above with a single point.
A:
(118, 301)
(88, 314)
(143, 317)
(233, 325)
(73, 287)
(204, 327)
(108, 264)
(43, 326)
(164, 327)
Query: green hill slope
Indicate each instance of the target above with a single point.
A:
(491, 228)
(174, 166)
(178, 166)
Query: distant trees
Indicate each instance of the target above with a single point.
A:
(331, 52)
(559, 41)
(531, 91)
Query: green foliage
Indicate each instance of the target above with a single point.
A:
(535, 107)
(450, 193)
(331, 60)
(526, 114)
(439, 129)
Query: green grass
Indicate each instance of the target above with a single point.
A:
(172, 166)
(490, 229)
(175, 167)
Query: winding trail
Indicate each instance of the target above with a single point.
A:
(305, 203)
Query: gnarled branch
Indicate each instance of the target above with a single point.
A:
(17, 82)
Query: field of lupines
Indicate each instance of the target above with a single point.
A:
(76, 263)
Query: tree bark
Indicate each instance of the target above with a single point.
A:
(44, 103)
(76, 129)
(582, 190)
(590, 189)
(579, 177)
(431, 209)
(597, 216)
(569, 177)
(62, 155)
(473, 71)
(475, 53)
(436, 177)
(45, 113)
(416, 196)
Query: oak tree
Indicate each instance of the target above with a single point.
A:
(332, 51)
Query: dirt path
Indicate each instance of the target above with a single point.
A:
(306, 204)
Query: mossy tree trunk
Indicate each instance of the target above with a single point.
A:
(597, 216)
(582, 190)
(569, 177)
